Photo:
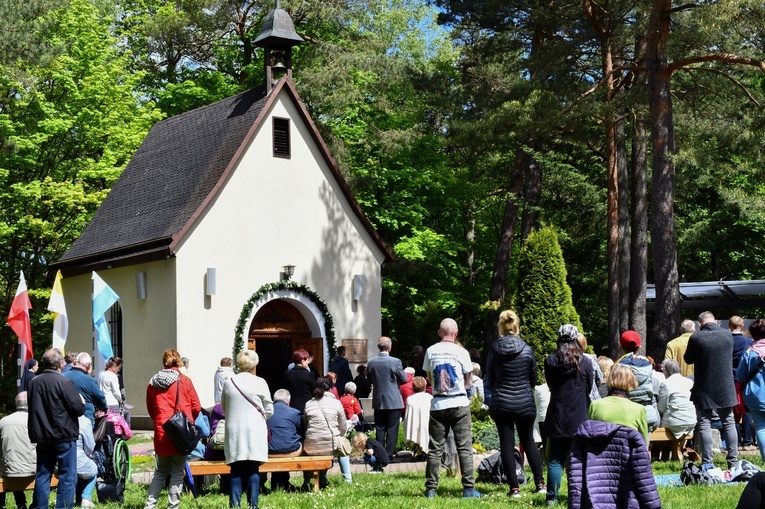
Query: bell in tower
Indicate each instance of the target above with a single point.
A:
(277, 37)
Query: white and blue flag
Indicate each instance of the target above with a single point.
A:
(103, 299)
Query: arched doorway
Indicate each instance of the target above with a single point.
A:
(278, 329)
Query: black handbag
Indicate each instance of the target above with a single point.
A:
(182, 432)
(111, 491)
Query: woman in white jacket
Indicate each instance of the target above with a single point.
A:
(678, 414)
(109, 383)
(325, 423)
(247, 403)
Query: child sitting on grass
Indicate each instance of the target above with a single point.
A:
(374, 453)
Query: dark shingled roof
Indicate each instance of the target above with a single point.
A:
(172, 176)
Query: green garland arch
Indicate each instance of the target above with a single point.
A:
(329, 328)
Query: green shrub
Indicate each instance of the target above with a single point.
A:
(485, 434)
(544, 297)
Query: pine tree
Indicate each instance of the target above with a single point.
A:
(544, 297)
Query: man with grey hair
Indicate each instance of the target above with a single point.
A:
(287, 432)
(87, 386)
(711, 352)
(54, 409)
(677, 347)
(18, 453)
(385, 374)
(451, 374)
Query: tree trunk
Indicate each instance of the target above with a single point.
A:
(624, 225)
(505, 248)
(639, 245)
(612, 186)
(639, 212)
(531, 191)
(467, 307)
(663, 246)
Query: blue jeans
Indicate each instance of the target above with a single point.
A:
(85, 488)
(345, 468)
(49, 455)
(728, 434)
(370, 460)
(759, 429)
(557, 454)
(441, 421)
(245, 478)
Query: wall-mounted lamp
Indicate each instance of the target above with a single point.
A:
(358, 286)
(287, 272)
(210, 283)
(140, 285)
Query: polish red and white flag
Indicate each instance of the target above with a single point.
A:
(18, 318)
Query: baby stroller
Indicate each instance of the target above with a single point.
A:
(112, 456)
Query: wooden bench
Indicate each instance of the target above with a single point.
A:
(9, 484)
(289, 464)
(662, 439)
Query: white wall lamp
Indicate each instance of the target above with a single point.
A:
(140, 285)
(287, 272)
(358, 287)
(210, 282)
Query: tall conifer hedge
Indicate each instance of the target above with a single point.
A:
(544, 297)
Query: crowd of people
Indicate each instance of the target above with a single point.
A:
(710, 378)
(52, 429)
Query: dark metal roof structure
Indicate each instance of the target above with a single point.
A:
(174, 177)
(278, 30)
(716, 294)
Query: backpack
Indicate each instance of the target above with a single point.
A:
(218, 438)
(490, 469)
(693, 474)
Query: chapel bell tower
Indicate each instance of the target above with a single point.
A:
(277, 37)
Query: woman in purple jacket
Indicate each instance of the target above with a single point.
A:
(610, 469)
(569, 377)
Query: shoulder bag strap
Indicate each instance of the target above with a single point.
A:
(754, 372)
(328, 426)
(178, 394)
(257, 407)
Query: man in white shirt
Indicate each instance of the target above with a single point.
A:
(451, 373)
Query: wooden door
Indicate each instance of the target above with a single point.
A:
(313, 346)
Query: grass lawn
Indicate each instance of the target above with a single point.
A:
(405, 491)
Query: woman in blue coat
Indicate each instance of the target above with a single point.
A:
(750, 372)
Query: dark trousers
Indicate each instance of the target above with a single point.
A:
(506, 422)
(386, 429)
(752, 497)
(457, 419)
(745, 429)
(18, 496)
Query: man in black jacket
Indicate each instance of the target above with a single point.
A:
(339, 366)
(711, 352)
(54, 409)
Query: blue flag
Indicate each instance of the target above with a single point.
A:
(103, 299)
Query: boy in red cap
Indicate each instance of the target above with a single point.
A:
(643, 370)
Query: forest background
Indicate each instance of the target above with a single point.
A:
(630, 130)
